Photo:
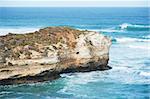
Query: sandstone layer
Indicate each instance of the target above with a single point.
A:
(44, 54)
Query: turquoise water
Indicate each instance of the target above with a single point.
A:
(129, 29)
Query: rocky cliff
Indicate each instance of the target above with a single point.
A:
(44, 54)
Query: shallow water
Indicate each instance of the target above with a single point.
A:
(129, 53)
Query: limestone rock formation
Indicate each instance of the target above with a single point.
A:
(44, 54)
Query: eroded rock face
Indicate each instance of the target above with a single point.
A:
(46, 53)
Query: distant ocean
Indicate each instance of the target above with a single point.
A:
(129, 29)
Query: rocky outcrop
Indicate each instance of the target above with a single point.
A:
(44, 54)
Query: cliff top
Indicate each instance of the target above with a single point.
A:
(13, 45)
(48, 35)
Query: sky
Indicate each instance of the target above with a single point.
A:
(74, 3)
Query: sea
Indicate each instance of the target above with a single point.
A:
(129, 30)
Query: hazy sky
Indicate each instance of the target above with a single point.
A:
(75, 3)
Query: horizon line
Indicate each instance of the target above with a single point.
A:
(81, 6)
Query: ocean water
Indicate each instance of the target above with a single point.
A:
(129, 29)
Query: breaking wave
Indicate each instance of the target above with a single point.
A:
(124, 27)
(146, 74)
(135, 27)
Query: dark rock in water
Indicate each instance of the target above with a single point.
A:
(44, 54)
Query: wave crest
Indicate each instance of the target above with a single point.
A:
(132, 26)
(125, 27)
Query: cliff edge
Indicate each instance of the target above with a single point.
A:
(44, 54)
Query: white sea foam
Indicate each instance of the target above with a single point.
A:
(4, 31)
(147, 37)
(121, 28)
(126, 25)
(146, 74)
(81, 78)
(145, 47)
(126, 76)
(128, 39)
